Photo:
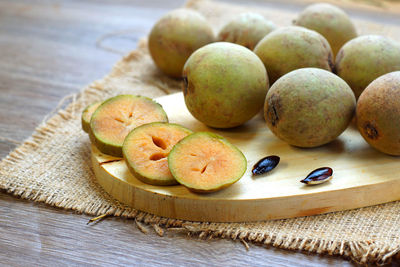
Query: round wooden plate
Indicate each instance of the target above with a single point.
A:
(362, 177)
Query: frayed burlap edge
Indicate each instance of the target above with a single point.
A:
(362, 252)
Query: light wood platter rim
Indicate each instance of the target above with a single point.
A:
(94, 150)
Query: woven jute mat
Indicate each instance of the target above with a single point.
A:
(53, 166)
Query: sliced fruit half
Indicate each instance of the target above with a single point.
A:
(117, 116)
(205, 162)
(146, 149)
(87, 115)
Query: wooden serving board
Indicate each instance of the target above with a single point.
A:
(362, 177)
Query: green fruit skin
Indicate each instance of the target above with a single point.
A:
(365, 58)
(116, 149)
(309, 107)
(106, 148)
(172, 160)
(378, 114)
(330, 21)
(85, 120)
(247, 30)
(140, 175)
(291, 48)
(224, 84)
(175, 37)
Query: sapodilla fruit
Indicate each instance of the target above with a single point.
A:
(87, 115)
(175, 37)
(146, 149)
(291, 48)
(378, 113)
(117, 116)
(330, 21)
(365, 58)
(205, 162)
(224, 84)
(247, 29)
(309, 107)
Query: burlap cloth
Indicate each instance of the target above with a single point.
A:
(53, 166)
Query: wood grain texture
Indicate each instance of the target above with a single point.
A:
(48, 50)
(53, 237)
(359, 170)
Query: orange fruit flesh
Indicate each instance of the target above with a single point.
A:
(117, 118)
(146, 149)
(87, 115)
(207, 164)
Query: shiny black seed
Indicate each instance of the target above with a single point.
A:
(265, 165)
(318, 176)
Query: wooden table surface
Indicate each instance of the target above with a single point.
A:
(49, 49)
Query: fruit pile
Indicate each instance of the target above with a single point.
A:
(321, 75)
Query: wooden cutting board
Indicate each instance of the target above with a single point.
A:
(362, 177)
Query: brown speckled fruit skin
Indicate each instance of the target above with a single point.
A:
(290, 48)
(365, 58)
(309, 107)
(330, 21)
(175, 37)
(224, 84)
(247, 29)
(378, 114)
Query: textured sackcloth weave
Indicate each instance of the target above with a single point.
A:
(53, 166)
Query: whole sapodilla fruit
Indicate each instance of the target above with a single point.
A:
(378, 113)
(224, 84)
(309, 107)
(247, 29)
(365, 58)
(330, 21)
(175, 37)
(291, 48)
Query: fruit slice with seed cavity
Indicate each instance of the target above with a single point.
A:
(87, 115)
(117, 116)
(206, 162)
(146, 149)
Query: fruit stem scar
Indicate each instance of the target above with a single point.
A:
(274, 117)
(185, 85)
(273, 105)
(371, 131)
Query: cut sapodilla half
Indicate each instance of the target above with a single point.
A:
(87, 115)
(117, 116)
(206, 162)
(146, 149)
